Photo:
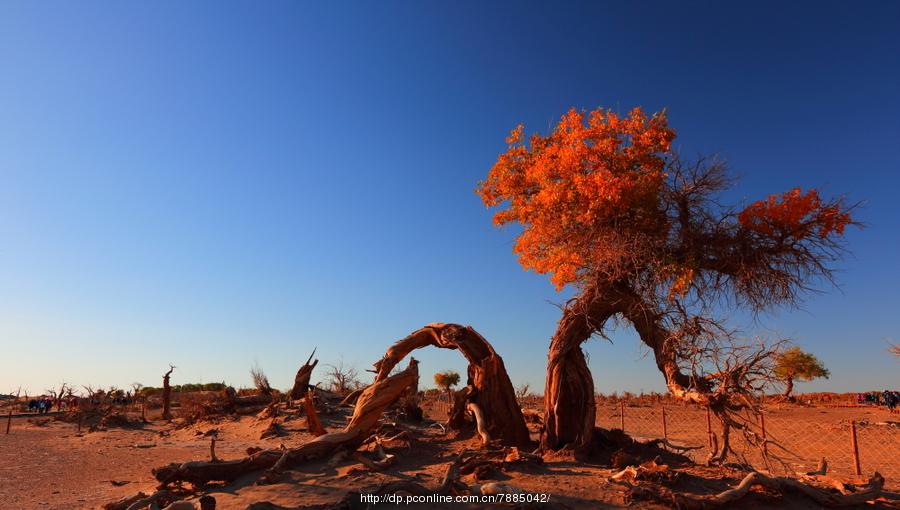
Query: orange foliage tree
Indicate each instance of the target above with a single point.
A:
(606, 207)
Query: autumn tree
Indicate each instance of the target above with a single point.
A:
(446, 380)
(796, 365)
(607, 208)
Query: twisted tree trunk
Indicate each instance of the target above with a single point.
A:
(569, 407)
(489, 386)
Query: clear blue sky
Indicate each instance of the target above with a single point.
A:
(217, 184)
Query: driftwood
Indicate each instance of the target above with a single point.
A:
(870, 491)
(658, 476)
(488, 383)
(301, 380)
(479, 422)
(372, 403)
(313, 425)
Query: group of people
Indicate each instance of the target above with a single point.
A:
(887, 398)
(40, 405)
(43, 405)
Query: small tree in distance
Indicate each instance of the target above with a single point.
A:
(446, 380)
(795, 364)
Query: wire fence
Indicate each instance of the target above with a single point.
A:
(853, 439)
(850, 441)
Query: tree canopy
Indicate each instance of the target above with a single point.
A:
(446, 379)
(798, 365)
(603, 197)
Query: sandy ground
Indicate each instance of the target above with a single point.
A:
(807, 434)
(52, 466)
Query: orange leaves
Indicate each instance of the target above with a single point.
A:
(796, 214)
(594, 171)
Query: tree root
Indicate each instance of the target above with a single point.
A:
(479, 422)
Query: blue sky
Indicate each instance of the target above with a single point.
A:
(227, 183)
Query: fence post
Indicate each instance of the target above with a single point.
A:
(855, 447)
(709, 434)
(11, 407)
(665, 430)
(762, 426)
(622, 415)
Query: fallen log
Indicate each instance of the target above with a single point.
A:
(372, 403)
(870, 491)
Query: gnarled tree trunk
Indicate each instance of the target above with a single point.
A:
(569, 407)
(301, 380)
(489, 386)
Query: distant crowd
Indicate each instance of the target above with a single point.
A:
(45, 404)
(887, 398)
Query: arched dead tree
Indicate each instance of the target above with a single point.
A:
(167, 394)
(369, 408)
(301, 380)
(489, 386)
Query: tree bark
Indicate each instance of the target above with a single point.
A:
(301, 380)
(489, 386)
(569, 406)
(167, 394)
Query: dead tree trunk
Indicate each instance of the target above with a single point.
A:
(301, 380)
(371, 404)
(167, 394)
(313, 425)
(489, 386)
